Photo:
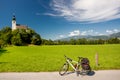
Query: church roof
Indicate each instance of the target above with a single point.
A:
(19, 26)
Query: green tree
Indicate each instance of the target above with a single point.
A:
(81, 41)
(100, 41)
(36, 39)
(25, 36)
(1, 43)
(73, 41)
(6, 34)
(16, 38)
(114, 40)
(44, 42)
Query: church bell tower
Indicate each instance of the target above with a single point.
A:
(13, 22)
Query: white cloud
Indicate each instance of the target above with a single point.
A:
(96, 33)
(112, 31)
(88, 32)
(84, 33)
(78, 32)
(91, 11)
(116, 30)
(109, 31)
(101, 34)
(50, 14)
(61, 36)
(74, 33)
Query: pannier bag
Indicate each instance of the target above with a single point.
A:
(85, 64)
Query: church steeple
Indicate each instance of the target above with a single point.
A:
(13, 22)
(14, 18)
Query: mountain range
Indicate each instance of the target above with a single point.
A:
(91, 37)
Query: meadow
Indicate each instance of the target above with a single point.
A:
(51, 58)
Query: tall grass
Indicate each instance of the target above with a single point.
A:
(51, 58)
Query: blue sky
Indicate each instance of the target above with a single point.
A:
(55, 19)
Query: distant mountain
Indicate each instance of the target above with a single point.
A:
(90, 37)
(115, 35)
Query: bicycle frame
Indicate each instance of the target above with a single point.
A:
(70, 61)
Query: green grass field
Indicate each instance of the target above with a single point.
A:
(51, 58)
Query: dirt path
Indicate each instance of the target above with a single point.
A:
(99, 75)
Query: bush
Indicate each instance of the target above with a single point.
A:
(16, 40)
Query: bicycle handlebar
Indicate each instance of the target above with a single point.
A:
(79, 58)
(68, 58)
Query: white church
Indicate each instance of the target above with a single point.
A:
(17, 26)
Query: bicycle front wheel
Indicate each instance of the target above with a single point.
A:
(64, 69)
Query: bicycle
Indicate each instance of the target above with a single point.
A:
(75, 66)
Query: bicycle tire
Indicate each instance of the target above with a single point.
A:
(64, 69)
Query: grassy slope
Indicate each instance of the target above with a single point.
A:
(50, 58)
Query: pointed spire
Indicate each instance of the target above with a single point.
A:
(14, 18)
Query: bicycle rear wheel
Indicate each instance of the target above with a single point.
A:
(64, 69)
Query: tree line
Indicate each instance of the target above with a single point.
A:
(82, 41)
(19, 37)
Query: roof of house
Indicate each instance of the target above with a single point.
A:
(19, 26)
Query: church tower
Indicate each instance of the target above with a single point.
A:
(13, 23)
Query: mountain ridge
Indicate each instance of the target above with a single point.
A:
(92, 37)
